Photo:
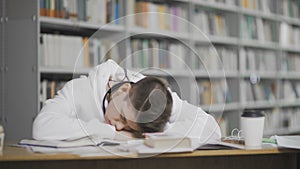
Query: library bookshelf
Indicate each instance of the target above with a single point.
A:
(257, 43)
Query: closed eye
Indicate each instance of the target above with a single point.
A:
(123, 118)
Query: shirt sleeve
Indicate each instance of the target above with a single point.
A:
(192, 121)
(58, 120)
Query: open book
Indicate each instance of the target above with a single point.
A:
(68, 144)
(164, 143)
(288, 141)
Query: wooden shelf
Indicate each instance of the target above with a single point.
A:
(290, 48)
(215, 5)
(258, 13)
(288, 103)
(258, 44)
(289, 20)
(64, 70)
(259, 104)
(66, 25)
(262, 75)
(221, 107)
(213, 39)
(289, 75)
(143, 32)
(162, 72)
(282, 131)
(215, 74)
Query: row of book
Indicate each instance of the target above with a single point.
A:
(290, 90)
(269, 91)
(165, 54)
(157, 16)
(260, 91)
(258, 29)
(217, 91)
(215, 58)
(257, 60)
(285, 118)
(290, 62)
(289, 35)
(210, 22)
(68, 51)
(289, 8)
(74, 51)
(265, 5)
(94, 11)
(213, 92)
(49, 88)
(157, 53)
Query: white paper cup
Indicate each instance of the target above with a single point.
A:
(253, 127)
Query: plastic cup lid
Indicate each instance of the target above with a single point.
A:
(253, 113)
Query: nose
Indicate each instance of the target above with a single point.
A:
(119, 125)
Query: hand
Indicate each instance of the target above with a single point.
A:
(123, 135)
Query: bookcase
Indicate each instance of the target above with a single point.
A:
(1, 61)
(247, 58)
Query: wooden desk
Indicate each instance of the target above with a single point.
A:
(14, 157)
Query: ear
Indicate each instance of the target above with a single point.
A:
(125, 87)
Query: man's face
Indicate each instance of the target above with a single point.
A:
(119, 113)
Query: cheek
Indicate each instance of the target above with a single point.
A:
(111, 111)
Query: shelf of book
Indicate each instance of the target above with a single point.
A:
(233, 13)
(223, 30)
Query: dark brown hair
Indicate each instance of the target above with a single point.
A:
(153, 102)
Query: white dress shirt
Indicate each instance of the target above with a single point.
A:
(76, 111)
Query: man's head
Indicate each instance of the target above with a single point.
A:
(141, 107)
